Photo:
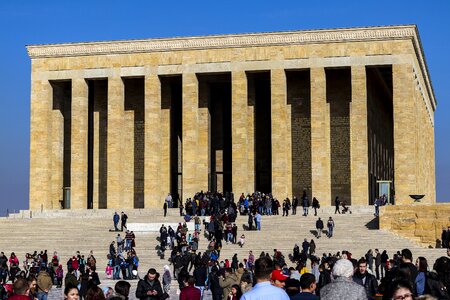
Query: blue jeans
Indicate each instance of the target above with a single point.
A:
(330, 231)
(201, 288)
(258, 225)
(230, 237)
(116, 272)
(42, 295)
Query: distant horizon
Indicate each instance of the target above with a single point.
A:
(50, 22)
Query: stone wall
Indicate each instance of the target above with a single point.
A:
(420, 222)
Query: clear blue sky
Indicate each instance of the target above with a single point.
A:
(40, 22)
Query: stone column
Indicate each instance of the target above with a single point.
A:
(40, 144)
(359, 164)
(320, 138)
(115, 144)
(79, 147)
(280, 147)
(190, 135)
(154, 165)
(405, 133)
(239, 133)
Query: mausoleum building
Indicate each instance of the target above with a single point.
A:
(120, 124)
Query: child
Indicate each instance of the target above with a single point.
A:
(242, 240)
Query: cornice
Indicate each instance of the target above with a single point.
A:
(363, 34)
(221, 41)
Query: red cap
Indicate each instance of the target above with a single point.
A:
(278, 275)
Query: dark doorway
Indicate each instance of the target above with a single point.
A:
(134, 101)
(339, 95)
(171, 96)
(62, 101)
(299, 97)
(380, 128)
(97, 143)
(259, 96)
(215, 93)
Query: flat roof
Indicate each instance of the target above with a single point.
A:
(363, 34)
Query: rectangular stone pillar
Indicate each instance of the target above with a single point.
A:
(115, 175)
(239, 134)
(280, 146)
(190, 135)
(156, 170)
(79, 145)
(40, 145)
(320, 138)
(405, 134)
(359, 164)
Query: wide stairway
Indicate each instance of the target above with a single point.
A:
(69, 231)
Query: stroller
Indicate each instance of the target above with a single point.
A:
(345, 208)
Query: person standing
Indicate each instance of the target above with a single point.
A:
(149, 287)
(189, 292)
(263, 288)
(165, 209)
(369, 260)
(123, 219)
(308, 285)
(315, 205)
(343, 286)
(21, 290)
(116, 219)
(44, 285)
(305, 203)
(363, 278)
(169, 200)
(337, 203)
(319, 227)
(294, 205)
(377, 263)
(330, 226)
(258, 218)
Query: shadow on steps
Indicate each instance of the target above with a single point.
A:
(373, 224)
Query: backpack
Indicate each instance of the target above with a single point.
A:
(435, 287)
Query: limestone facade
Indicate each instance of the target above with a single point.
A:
(110, 145)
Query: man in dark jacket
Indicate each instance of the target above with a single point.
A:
(368, 281)
(200, 275)
(149, 288)
(319, 227)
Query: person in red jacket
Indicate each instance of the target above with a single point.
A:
(189, 292)
(21, 290)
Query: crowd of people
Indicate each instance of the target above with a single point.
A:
(302, 274)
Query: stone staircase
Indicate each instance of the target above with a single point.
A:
(80, 230)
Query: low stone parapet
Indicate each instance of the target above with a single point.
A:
(419, 222)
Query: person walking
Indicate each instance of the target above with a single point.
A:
(337, 203)
(319, 227)
(330, 226)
